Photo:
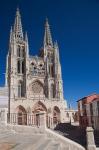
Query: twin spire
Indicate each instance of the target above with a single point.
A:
(18, 25)
(47, 36)
(19, 32)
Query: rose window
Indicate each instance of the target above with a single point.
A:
(37, 87)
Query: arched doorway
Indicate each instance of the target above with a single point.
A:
(56, 115)
(21, 115)
(38, 108)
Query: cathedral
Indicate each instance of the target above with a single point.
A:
(34, 82)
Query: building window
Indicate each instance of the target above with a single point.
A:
(37, 87)
(22, 52)
(18, 67)
(51, 70)
(18, 51)
(52, 91)
(91, 109)
(23, 66)
(98, 107)
(20, 89)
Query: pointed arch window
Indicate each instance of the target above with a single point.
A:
(20, 89)
(22, 52)
(51, 70)
(18, 66)
(52, 91)
(23, 66)
(18, 51)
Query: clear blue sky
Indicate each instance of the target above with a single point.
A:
(74, 24)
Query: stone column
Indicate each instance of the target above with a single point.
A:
(90, 139)
(51, 121)
(28, 119)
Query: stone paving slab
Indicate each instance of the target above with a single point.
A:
(12, 140)
(6, 146)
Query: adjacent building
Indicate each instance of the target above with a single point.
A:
(88, 110)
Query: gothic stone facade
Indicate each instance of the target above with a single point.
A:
(34, 82)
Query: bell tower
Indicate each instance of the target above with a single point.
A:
(53, 80)
(17, 61)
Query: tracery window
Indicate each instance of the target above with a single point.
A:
(18, 66)
(37, 87)
(51, 70)
(22, 52)
(18, 51)
(20, 89)
(52, 91)
(23, 67)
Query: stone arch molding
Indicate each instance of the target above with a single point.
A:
(21, 115)
(39, 106)
(56, 115)
(21, 109)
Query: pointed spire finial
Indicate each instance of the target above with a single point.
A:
(11, 34)
(46, 23)
(18, 25)
(11, 30)
(17, 11)
(27, 44)
(56, 44)
(26, 37)
(47, 36)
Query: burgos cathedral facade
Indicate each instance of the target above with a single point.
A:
(34, 82)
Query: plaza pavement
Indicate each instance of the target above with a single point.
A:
(10, 140)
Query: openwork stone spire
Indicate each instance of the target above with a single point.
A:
(11, 34)
(18, 25)
(56, 50)
(27, 43)
(47, 36)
